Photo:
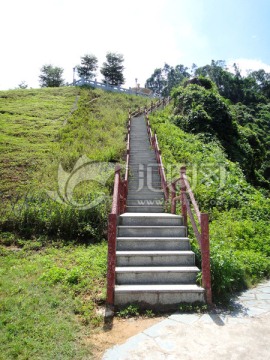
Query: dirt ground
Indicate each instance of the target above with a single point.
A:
(118, 332)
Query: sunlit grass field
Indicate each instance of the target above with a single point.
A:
(53, 256)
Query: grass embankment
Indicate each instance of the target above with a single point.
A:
(239, 214)
(51, 285)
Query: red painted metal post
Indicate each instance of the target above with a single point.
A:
(205, 249)
(173, 202)
(112, 226)
(183, 192)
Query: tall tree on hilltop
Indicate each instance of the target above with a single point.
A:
(163, 80)
(112, 69)
(51, 76)
(156, 82)
(88, 66)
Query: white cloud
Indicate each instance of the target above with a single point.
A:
(248, 64)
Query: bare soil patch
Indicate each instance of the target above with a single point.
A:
(118, 332)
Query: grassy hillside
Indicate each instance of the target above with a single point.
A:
(239, 213)
(51, 287)
(42, 129)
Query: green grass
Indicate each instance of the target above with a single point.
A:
(239, 213)
(47, 298)
(45, 128)
(50, 286)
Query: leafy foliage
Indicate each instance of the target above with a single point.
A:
(51, 76)
(162, 81)
(200, 109)
(113, 68)
(239, 228)
(88, 66)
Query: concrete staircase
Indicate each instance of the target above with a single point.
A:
(154, 264)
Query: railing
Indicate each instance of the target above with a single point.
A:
(187, 199)
(108, 87)
(119, 204)
(118, 207)
(154, 142)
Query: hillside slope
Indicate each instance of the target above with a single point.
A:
(239, 213)
(44, 128)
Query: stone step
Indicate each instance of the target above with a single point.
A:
(146, 202)
(136, 187)
(156, 275)
(151, 180)
(151, 231)
(149, 157)
(162, 219)
(155, 258)
(145, 209)
(152, 243)
(148, 196)
(146, 169)
(145, 192)
(158, 297)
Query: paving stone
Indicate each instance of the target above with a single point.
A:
(185, 318)
(263, 296)
(165, 344)
(255, 311)
(247, 296)
(122, 352)
(207, 319)
(264, 290)
(161, 329)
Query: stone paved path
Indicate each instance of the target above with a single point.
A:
(241, 333)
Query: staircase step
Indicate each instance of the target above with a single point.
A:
(151, 231)
(144, 202)
(148, 219)
(160, 297)
(148, 194)
(145, 209)
(156, 275)
(155, 258)
(145, 192)
(152, 243)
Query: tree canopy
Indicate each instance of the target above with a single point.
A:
(88, 66)
(113, 68)
(51, 76)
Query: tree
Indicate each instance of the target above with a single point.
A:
(112, 69)
(88, 66)
(51, 76)
(23, 85)
(156, 82)
(162, 81)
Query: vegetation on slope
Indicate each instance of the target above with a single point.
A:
(50, 285)
(42, 129)
(239, 213)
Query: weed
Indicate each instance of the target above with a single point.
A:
(193, 307)
(129, 311)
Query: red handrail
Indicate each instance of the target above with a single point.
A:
(154, 142)
(187, 198)
(112, 228)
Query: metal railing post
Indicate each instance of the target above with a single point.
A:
(173, 202)
(205, 249)
(112, 226)
(183, 193)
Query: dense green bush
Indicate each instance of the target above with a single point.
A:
(239, 214)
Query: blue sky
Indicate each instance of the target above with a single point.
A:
(147, 32)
